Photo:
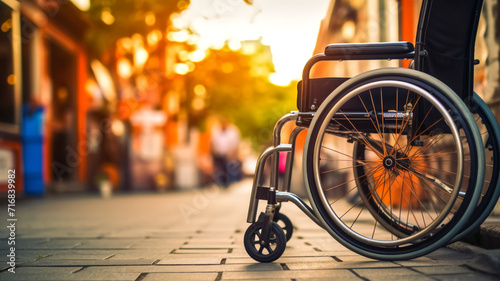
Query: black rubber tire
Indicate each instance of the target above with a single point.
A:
(287, 225)
(264, 253)
(490, 131)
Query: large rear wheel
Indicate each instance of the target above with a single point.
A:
(389, 159)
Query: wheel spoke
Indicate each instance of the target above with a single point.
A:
(269, 250)
(377, 128)
(362, 139)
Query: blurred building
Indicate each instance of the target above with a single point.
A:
(70, 121)
(360, 21)
(10, 85)
(43, 119)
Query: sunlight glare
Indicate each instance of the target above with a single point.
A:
(181, 68)
(150, 19)
(197, 56)
(178, 36)
(83, 5)
(234, 45)
(107, 17)
(183, 55)
(279, 79)
(140, 57)
(124, 68)
(289, 27)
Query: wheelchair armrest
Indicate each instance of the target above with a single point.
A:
(365, 51)
(347, 51)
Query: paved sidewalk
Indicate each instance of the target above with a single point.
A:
(191, 235)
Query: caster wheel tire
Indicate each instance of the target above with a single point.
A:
(286, 224)
(256, 246)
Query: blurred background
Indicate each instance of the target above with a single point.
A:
(136, 95)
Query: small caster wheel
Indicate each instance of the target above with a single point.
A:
(285, 223)
(257, 247)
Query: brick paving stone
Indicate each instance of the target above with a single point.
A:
(381, 273)
(405, 278)
(130, 254)
(349, 257)
(333, 264)
(51, 233)
(420, 261)
(238, 252)
(30, 255)
(267, 279)
(329, 278)
(268, 267)
(180, 276)
(465, 277)
(436, 270)
(207, 244)
(344, 253)
(223, 238)
(39, 273)
(446, 254)
(104, 275)
(341, 274)
(292, 252)
(107, 243)
(433, 262)
(154, 244)
(47, 244)
(201, 255)
(26, 243)
(88, 262)
(189, 260)
(197, 268)
(287, 259)
(152, 269)
(201, 251)
(75, 254)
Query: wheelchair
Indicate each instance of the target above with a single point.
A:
(397, 162)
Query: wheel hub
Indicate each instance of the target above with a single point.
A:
(389, 162)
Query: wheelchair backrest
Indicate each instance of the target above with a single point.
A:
(444, 46)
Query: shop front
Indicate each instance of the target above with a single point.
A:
(10, 98)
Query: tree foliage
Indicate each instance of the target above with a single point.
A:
(238, 89)
(129, 18)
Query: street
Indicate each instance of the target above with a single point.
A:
(189, 235)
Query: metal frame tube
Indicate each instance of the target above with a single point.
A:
(289, 159)
(259, 170)
(273, 152)
(276, 142)
(287, 196)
